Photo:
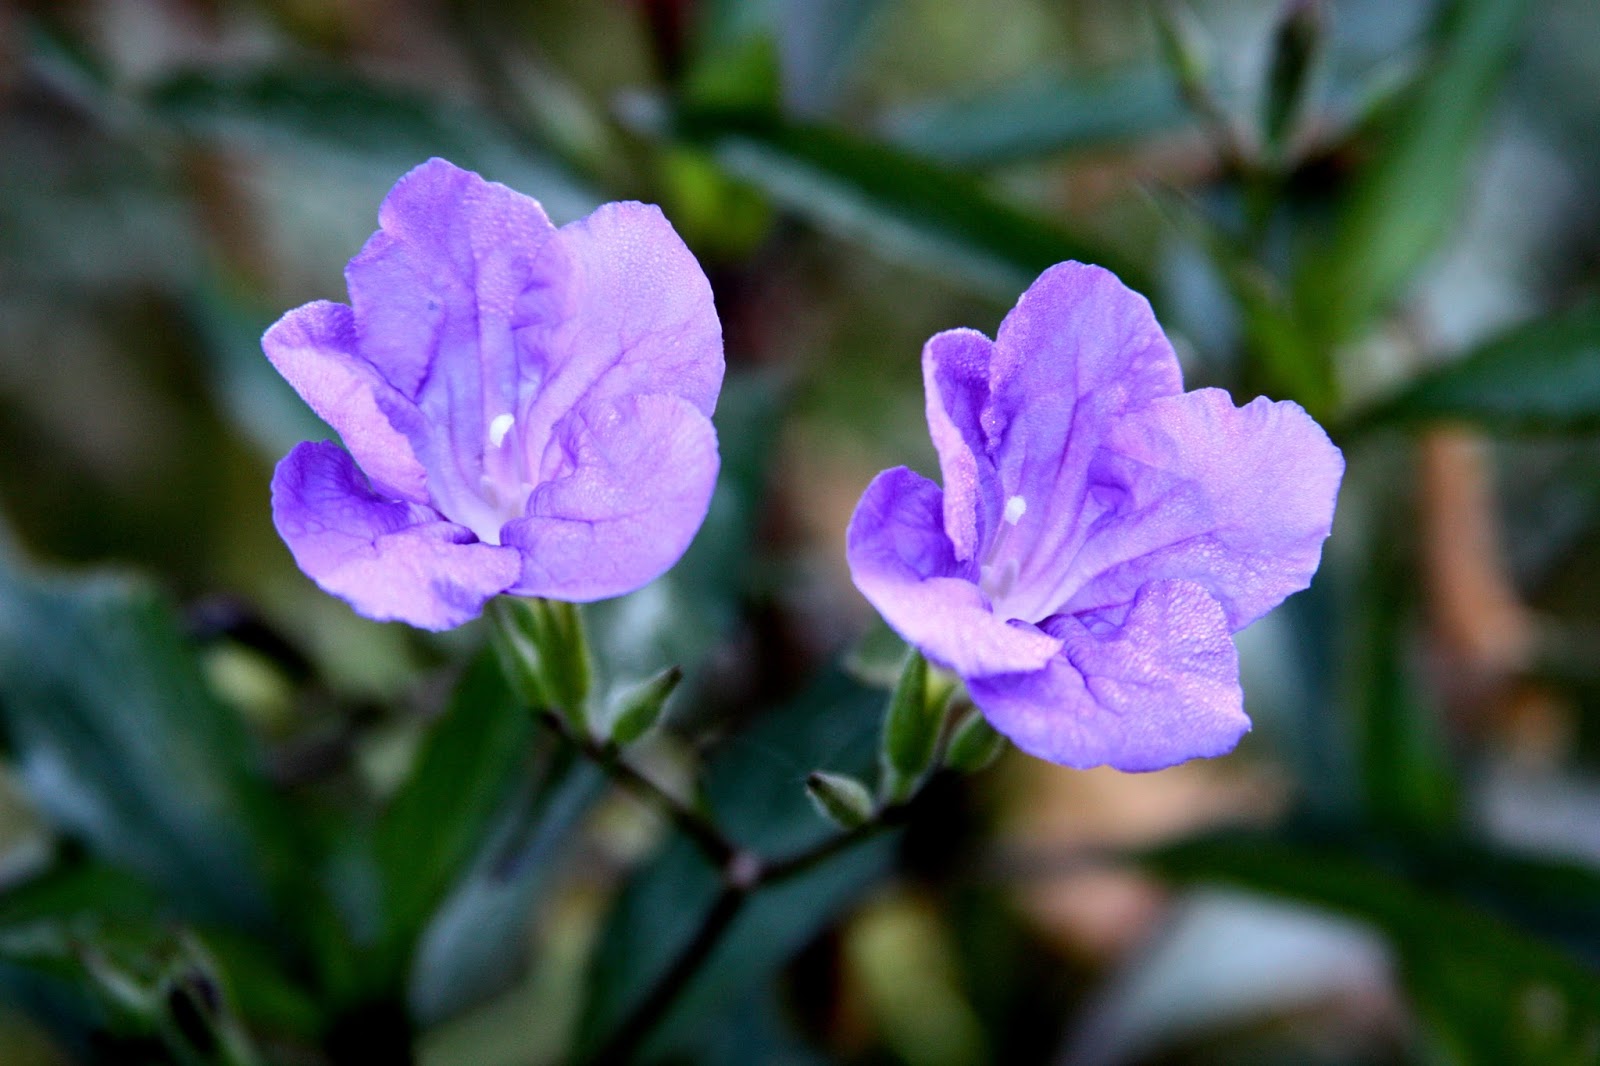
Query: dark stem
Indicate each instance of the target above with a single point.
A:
(711, 841)
(641, 1022)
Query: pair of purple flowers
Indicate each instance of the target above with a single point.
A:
(526, 410)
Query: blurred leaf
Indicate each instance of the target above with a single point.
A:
(1471, 974)
(820, 41)
(1042, 114)
(1540, 376)
(120, 743)
(476, 942)
(472, 760)
(898, 204)
(1295, 44)
(323, 107)
(1407, 777)
(755, 786)
(1288, 366)
(1405, 199)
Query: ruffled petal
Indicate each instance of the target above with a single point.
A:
(1079, 349)
(955, 376)
(451, 248)
(618, 306)
(1236, 499)
(314, 348)
(904, 564)
(1159, 689)
(390, 560)
(634, 485)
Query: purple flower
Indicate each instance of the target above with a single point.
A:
(525, 408)
(1101, 533)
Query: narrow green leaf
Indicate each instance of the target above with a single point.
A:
(300, 106)
(1471, 974)
(640, 708)
(900, 205)
(470, 763)
(1294, 50)
(1542, 376)
(1408, 781)
(121, 744)
(1041, 115)
(1408, 195)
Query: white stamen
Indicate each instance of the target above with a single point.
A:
(502, 425)
(1016, 507)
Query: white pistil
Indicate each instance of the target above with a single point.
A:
(995, 576)
(499, 427)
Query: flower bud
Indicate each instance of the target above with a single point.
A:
(640, 707)
(840, 799)
(974, 745)
(545, 653)
(911, 727)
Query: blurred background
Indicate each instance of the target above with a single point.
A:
(240, 824)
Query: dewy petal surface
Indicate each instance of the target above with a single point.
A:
(903, 563)
(955, 376)
(1237, 499)
(1078, 351)
(638, 480)
(314, 348)
(391, 560)
(1161, 688)
(435, 293)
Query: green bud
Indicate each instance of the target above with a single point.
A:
(1294, 51)
(974, 745)
(911, 727)
(840, 799)
(545, 654)
(640, 707)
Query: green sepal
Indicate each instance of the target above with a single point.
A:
(544, 652)
(841, 799)
(639, 708)
(912, 725)
(974, 745)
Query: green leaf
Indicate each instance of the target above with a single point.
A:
(1406, 198)
(470, 764)
(313, 106)
(753, 786)
(1471, 974)
(1295, 44)
(840, 798)
(1408, 781)
(477, 940)
(121, 744)
(1041, 115)
(898, 204)
(1539, 376)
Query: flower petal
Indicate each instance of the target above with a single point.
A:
(904, 564)
(451, 248)
(1237, 499)
(435, 292)
(955, 375)
(1161, 688)
(390, 560)
(1079, 349)
(636, 480)
(618, 306)
(314, 348)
